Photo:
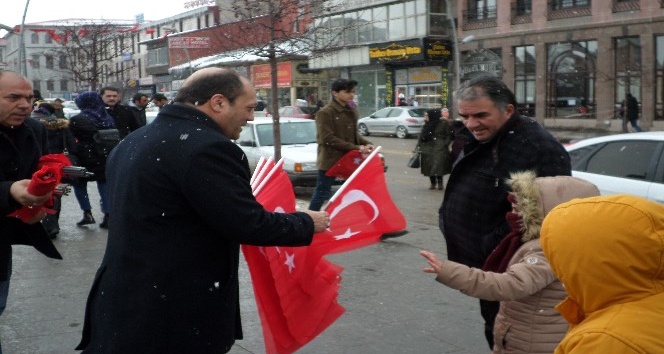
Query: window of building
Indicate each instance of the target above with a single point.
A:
(365, 27)
(158, 57)
(439, 23)
(62, 62)
(571, 76)
(36, 85)
(64, 85)
(50, 85)
(524, 7)
(48, 39)
(397, 21)
(49, 62)
(350, 27)
(481, 9)
(35, 61)
(34, 38)
(659, 78)
(628, 68)
(524, 79)
(566, 4)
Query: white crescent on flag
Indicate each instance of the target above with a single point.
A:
(354, 196)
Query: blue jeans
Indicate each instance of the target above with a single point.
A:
(81, 193)
(322, 192)
(635, 126)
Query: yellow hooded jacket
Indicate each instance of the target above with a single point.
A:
(609, 254)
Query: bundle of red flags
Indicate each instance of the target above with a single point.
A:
(43, 181)
(296, 288)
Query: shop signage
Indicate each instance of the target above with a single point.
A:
(438, 49)
(260, 75)
(481, 61)
(189, 42)
(410, 50)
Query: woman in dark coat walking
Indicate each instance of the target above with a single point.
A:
(434, 143)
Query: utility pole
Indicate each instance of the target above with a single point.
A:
(23, 69)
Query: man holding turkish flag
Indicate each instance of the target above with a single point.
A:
(22, 141)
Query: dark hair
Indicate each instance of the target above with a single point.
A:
(434, 113)
(108, 88)
(45, 108)
(58, 100)
(343, 85)
(200, 88)
(159, 97)
(487, 86)
(137, 96)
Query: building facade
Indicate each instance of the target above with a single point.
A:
(569, 59)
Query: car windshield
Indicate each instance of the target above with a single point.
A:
(309, 110)
(417, 112)
(291, 133)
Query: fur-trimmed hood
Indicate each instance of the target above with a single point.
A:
(536, 196)
(52, 123)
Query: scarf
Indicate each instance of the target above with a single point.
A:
(500, 257)
(94, 109)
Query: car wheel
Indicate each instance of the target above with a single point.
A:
(402, 132)
(363, 130)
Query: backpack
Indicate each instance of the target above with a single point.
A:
(104, 141)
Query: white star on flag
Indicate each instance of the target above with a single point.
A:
(357, 161)
(345, 235)
(290, 262)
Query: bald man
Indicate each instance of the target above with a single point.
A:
(22, 142)
(182, 205)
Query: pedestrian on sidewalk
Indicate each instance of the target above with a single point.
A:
(607, 252)
(182, 205)
(22, 143)
(516, 273)
(500, 141)
(60, 141)
(629, 110)
(434, 144)
(85, 127)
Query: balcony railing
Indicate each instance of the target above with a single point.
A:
(522, 13)
(559, 9)
(484, 17)
(627, 5)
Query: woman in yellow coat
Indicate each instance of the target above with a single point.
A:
(609, 254)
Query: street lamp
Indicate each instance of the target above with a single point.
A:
(455, 40)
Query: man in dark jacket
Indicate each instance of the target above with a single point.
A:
(123, 118)
(137, 106)
(22, 143)
(182, 205)
(472, 215)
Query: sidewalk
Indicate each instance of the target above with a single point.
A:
(391, 305)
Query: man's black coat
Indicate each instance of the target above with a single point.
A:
(180, 206)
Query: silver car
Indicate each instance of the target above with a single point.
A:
(298, 146)
(622, 163)
(402, 121)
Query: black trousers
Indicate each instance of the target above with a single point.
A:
(489, 310)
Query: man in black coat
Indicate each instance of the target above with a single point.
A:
(182, 204)
(498, 142)
(124, 119)
(22, 143)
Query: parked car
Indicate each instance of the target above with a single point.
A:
(298, 146)
(298, 112)
(402, 121)
(630, 163)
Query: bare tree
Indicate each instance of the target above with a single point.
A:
(276, 30)
(93, 52)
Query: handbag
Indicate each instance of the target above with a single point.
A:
(414, 161)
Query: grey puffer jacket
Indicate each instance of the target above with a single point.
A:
(527, 321)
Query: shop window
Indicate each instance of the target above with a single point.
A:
(524, 79)
(628, 68)
(571, 79)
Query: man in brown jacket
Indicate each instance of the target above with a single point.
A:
(336, 126)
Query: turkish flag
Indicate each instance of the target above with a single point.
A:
(42, 182)
(263, 168)
(346, 165)
(295, 289)
(361, 211)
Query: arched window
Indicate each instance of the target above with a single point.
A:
(571, 80)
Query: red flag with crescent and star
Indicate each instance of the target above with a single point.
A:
(296, 288)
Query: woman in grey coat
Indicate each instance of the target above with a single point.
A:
(517, 273)
(434, 145)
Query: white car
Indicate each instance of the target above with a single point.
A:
(402, 121)
(298, 146)
(631, 163)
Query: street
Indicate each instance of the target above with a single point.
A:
(391, 305)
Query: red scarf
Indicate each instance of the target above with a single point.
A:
(500, 257)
